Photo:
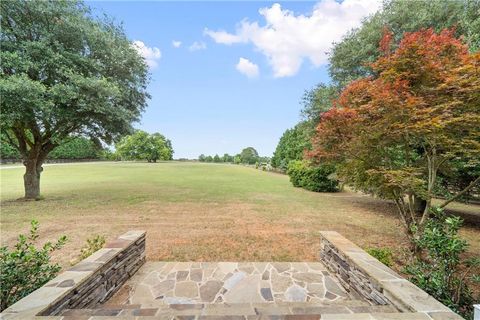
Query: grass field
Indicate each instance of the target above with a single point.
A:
(193, 211)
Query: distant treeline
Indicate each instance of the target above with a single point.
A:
(247, 156)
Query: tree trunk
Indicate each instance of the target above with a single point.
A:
(31, 179)
(419, 204)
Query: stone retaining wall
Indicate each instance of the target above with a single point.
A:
(362, 274)
(88, 283)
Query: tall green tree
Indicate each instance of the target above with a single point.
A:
(64, 73)
(350, 59)
(227, 158)
(249, 155)
(144, 146)
(316, 101)
(292, 145)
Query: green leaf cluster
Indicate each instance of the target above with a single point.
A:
(25, 268)
(292, 145)
(249, 156)
(144, 146)
(92, 245)
(317, 178)
(351, 57)
(442, 272)
(384, 255)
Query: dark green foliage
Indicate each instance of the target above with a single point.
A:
(77, 148)
(458, 176)
(441, 272)
(249, 156)
(64, 72)
(227, 158)
(73, 149)
(26, 268)
(350, 58)
(7, 151)
(144, 146)
(291, 146)
(384, 255)
(316, 101)
(318, 178)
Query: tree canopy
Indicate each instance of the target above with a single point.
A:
(64, 72)
(350, 58)
(292, 145)
(144, 146)
(249, 155)
(393, 132)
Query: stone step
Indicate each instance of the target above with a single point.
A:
(230, 310)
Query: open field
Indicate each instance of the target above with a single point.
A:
(198, 212)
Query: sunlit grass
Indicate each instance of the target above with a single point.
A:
(195, 211)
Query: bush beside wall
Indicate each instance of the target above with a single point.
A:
(313, 178)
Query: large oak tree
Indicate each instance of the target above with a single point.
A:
(64, 73)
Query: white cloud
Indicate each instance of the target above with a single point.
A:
(176, 43)
(197, 46)
(287, 39)
(151, 55)
(247, 67)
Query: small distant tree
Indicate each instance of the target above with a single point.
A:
(208, 159)
(249, 156)
(227, 158)
(64, 73)
(217, 158)
(144, 146)
(201, 158)
(237, 159)
(391, 134)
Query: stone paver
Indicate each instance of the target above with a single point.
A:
(229, 290)
(159, 283)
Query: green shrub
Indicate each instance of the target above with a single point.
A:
(109, 155)
(440, 271)
(93, 244)
(26, 268)
(384, 255)
(313, 178)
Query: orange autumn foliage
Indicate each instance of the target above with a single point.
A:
(392, 132)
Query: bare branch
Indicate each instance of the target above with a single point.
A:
(458, 195)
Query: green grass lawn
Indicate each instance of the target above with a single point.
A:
(195, 211)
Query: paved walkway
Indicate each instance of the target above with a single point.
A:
(160, 283)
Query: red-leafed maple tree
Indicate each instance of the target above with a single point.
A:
(391, 133)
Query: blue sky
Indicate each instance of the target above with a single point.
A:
(237, 77)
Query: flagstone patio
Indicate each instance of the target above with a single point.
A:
(159, 283)
(116, 282)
